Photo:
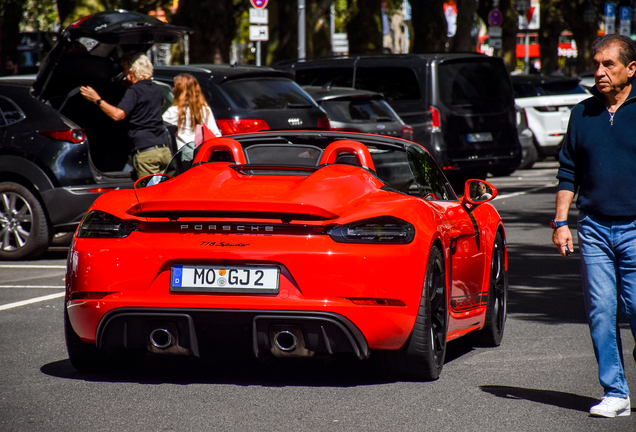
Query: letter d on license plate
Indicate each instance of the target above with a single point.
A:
(224, 279)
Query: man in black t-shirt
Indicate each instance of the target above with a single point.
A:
(141, 106)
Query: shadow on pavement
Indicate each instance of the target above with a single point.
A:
(549, 397)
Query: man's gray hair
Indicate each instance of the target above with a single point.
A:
(626, 47)
(139, 65)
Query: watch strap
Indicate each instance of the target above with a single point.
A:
(557, 224)
(99, 102)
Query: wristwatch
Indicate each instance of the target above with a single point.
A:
(98, 102)
(556, 224)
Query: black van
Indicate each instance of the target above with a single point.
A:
(461, 106)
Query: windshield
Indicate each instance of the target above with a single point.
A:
(357, 110)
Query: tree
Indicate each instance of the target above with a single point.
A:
(463, 40)
(429, 25)
(364, 26)
(583, 33)
(11, 12)
(552, 25)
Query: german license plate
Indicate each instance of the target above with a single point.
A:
(225, 279)
(479, 137)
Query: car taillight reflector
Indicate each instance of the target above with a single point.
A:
(89, 295)
(376, 302)
(71, 135)
(236, 125)
(547, 108)
(406, 132)
(436, 122)
(345, 130)
(101, 190)
(323, 123)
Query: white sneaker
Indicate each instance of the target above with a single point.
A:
(612, 407)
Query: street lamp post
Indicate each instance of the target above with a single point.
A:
(301, 29)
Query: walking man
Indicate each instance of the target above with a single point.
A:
(598, 160)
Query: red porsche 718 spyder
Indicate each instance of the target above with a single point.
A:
(289, 244)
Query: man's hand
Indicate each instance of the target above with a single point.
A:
(562, 238)
(89, 94)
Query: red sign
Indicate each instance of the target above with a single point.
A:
(259, 4)
(495, 18)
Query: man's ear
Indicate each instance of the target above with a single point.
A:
(631, 69)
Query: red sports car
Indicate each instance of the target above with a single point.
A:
(289, 244)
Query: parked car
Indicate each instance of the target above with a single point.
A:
(587, 79)
(249, 99)
(305, 244)
(359, 111)
(58, 152)
(547, 102)
(461, 106)
(526, 139)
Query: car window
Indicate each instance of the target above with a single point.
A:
(395, 83)
(266, 93)
(468, 86)
(357, 110)
(9, 112)
(552, 88)
(413, 172)
(303, 155)
(429, 178)
(329, 77)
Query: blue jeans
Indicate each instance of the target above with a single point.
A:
(608, 267)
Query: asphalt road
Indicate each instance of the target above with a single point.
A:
(541, 378)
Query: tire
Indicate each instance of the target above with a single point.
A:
(422, 357)
(84, 357)
(496, 310)
(24, 229)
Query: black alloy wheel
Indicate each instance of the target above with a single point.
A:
(24, 230)
(496, 311)
(422, 357)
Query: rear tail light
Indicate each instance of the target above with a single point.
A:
(547, 108)
(323, 123)
(98, 224)
(71, 135)
(406, 132)
(236, 125)
(380, 230)
(436, 123)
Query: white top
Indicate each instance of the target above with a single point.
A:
(186, 134)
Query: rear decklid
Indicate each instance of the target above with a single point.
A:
(92, 47)
(218, 190)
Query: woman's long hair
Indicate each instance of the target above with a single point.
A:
(188, 94)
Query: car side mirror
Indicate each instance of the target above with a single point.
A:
(151, 180)
(478, 192)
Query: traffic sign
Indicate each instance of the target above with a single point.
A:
(258, 16)
(259, 4)
(495, 18)
(259, 33)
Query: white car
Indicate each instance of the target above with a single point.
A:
(547, 102)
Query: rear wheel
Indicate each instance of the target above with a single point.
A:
(423, 355)
(496, 310)
(24, 230)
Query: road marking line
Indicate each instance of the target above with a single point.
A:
(33, 300)
(512, 195)
(34, 286)
(27, 266)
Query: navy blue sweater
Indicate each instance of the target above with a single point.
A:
(599, 157)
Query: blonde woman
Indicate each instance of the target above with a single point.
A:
(189, 110)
